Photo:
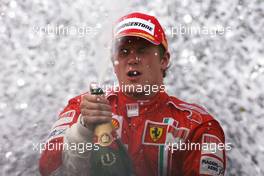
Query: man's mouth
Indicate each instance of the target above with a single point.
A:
(133, 73)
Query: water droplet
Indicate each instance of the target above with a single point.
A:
(20, 82)
(2, 29)
(253, 75)
(81, 53)
(51, 63)
(23, 106)
(187, 18)
(106, 14)
(116, 62)
(129, 41)
(185, 53)
(3, 105)
(8, 155)
(35, 125)
(156, 54)
(48, 89)
(11, 14)
(142, 103)
(184, 3)
(13, 4)
(99, 25)
(192, 59)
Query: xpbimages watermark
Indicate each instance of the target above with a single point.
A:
(53, 146)
(70, 30)
(145, 89)
(191, 146)
(197, 30)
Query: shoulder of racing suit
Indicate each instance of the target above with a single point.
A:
(195, 113)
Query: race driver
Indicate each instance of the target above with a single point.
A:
(153, 125)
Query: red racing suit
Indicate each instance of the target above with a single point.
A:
(164, 136)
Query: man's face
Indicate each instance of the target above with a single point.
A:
(138, 62)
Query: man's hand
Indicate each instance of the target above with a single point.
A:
(95, 109)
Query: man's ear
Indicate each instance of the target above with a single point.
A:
(165, 60)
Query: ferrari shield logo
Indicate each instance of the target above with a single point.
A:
(155, 133)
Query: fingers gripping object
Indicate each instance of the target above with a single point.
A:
(112, 158)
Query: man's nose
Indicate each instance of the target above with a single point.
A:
(133, 59)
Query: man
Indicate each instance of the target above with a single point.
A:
(163, 135)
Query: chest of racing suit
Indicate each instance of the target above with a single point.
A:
(163, 135)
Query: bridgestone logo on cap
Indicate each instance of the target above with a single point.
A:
(135, 23)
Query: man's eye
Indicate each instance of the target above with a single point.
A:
(123, 51)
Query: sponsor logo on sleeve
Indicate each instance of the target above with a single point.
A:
(65, 118)
(211, 147)
(68, 114)
(57, 132)
(211, 166)
(62, 121)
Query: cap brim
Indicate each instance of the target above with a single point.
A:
(138, 34)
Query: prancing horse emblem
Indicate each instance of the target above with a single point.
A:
(155, 133)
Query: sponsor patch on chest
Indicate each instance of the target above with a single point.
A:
(154, 133)
(158, 133)
(132, 110)
(117, 122)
